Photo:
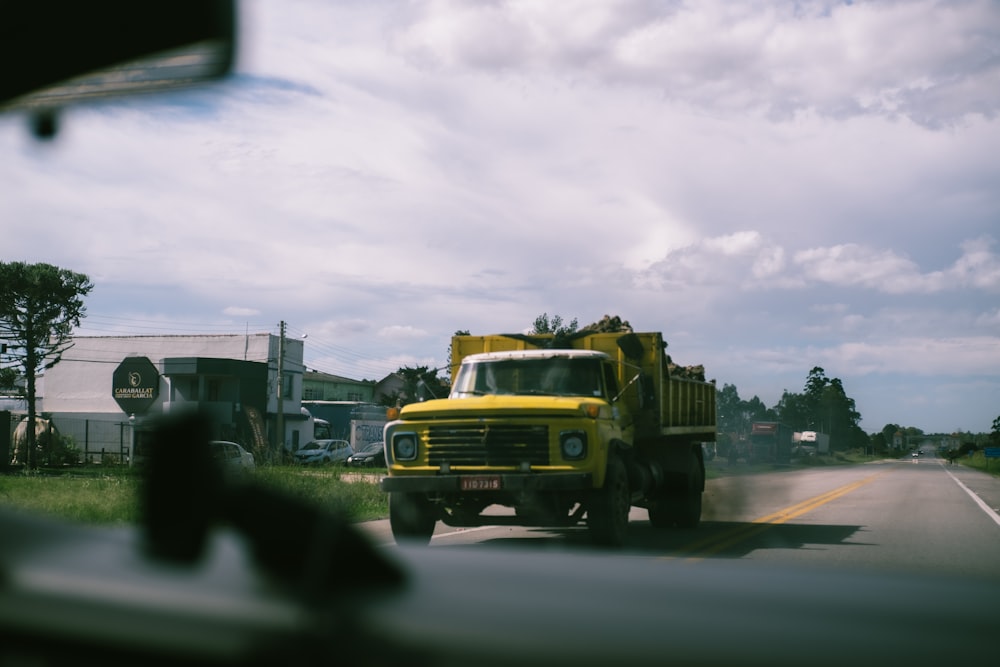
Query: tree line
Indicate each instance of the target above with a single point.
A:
(822, 406)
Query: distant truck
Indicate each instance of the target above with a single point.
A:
(305, 430)
(561, 431)
(821, 441)
(770, 442)
(358, 423)
(367, 423)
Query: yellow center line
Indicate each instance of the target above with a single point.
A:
(717, 543)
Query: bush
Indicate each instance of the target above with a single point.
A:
(65, 452)
(966, 447)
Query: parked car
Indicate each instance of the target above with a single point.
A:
(371, 455)
(234, 460)
(324, 451)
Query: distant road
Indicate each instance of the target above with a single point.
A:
(921, 515)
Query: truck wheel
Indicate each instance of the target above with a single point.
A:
(689, 510)
(689, 502)
(662, 513)
(607, 513)
(681, 509)
(411, 518)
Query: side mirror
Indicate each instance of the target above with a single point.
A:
(631, 346)
(55, 53)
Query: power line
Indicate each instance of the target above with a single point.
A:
(103, 324)
(348, 362)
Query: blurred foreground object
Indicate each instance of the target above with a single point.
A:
(186, 495)
(55, 53)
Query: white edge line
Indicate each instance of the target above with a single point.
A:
(451, 533)
(461, 531)
(979, 501)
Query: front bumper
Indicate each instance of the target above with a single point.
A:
(450, 483)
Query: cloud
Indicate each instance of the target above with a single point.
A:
(401, 332)
(940, 357)
(237, 311)
(854, 265)
(989, 319)
(931, 61)
(979, 265)
(747, 260)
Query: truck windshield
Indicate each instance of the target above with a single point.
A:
(549, 377)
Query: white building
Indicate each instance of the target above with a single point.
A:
(105, 385)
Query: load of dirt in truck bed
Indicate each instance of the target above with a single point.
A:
(696, 372)
(615, 324)
(608, 324)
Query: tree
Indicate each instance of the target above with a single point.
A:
(8, 379)
(816, 383)
(735, 415)
(728, 409)
(756, 411)
(889, 432)
(40, 304)
(879, 443)
(824, 406)
(419, 383)
(544, 325)
(793, 409)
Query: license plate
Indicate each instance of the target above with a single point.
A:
(480, 483)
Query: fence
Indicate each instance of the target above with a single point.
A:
(99, 441)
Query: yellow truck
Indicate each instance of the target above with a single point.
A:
(564, 431)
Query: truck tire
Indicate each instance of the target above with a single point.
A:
(689, 510)
(662, 513)
(411, 518)
(607, 512)
(682, 508)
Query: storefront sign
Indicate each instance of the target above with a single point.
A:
(135, 384)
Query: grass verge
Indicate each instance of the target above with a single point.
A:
(106, 496)
(110, 496)
(979, 461)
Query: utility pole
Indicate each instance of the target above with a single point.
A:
(281, 384)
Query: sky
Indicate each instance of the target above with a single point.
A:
(773, 185)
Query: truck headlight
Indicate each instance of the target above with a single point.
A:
(573, 445)
(404, 446)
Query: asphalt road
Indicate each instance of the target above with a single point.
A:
(724, 594)
(914, 515)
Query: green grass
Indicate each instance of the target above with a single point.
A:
(110, 496)
(101, 497)
(979, 461)
(356, 495)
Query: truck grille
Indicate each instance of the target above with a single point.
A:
(488, 445)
